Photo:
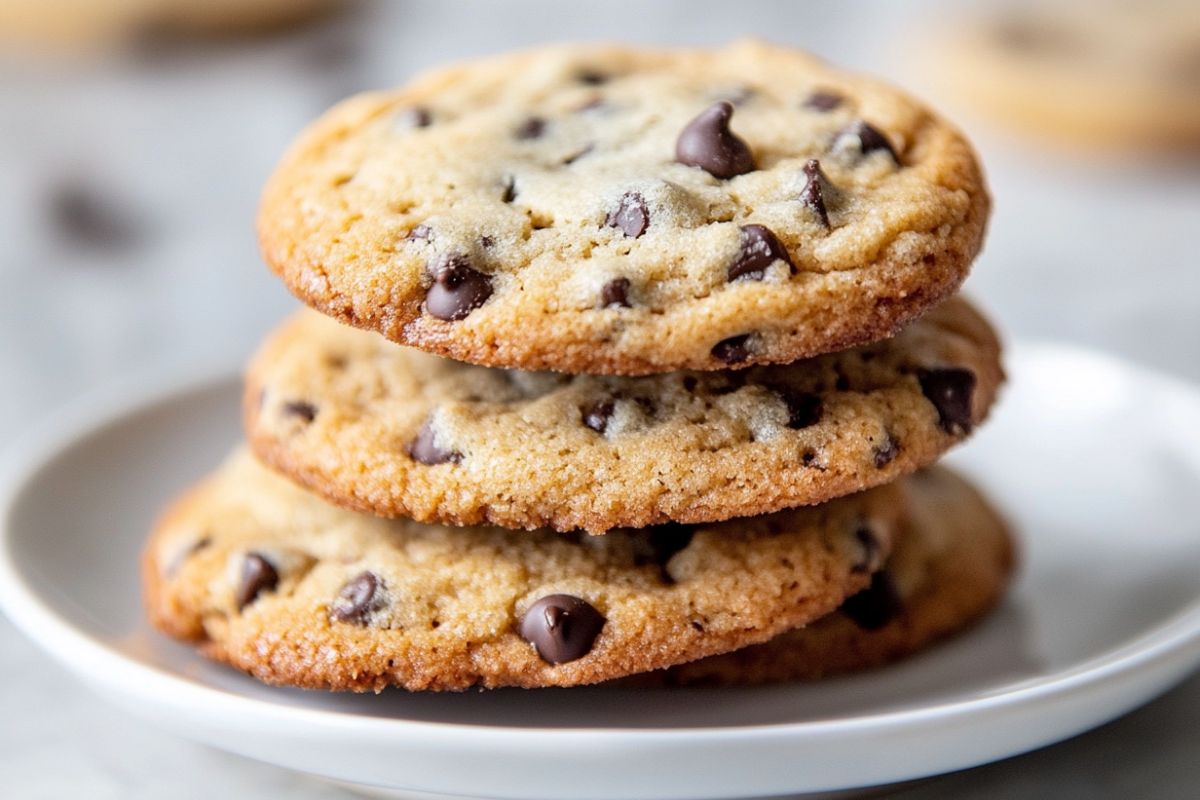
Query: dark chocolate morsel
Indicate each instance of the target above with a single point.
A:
(597, 415)
(950, 390)
(591, 77)
(759, 249)
(457, 289)
(823, 100)
(531, 128)
(875, 606)
(732, 350)
(510, 189)
(708, 143)
(871, 548)
(866, 138)
(615, 293)
(561, 627)
(414, 117)
(356, 599)
(813, 193)
(886, 452)
(804, 409)
(630, 215)
(424, 450)
(299, 408)
(257, 576)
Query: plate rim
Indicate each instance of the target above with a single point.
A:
(23, 460)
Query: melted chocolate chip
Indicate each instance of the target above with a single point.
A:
(950, 390)
(299, 408)
(863, 138)
(457, 289)
(804, 409)
(591, 77)
(823, 100)
(561, 627)
(615, 293)
(760, 248)
(424, 450)
(356, 599)
(631, 215)
(813, 193)
(886, 452)
(414, 117)
(531, 128)
(732, 350)
(871, 547)
(597, 415)
(257, 576)
(708, 143)
(875, 606)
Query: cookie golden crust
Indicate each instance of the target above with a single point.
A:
(396, 432)
(546, 210)
(952, 561)
(271, 579)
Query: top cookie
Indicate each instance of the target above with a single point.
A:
(627, 211)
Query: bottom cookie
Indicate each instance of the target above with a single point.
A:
(271, 579)
(952, 560)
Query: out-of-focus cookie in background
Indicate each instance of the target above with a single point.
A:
(76, 27)
(1102, 76)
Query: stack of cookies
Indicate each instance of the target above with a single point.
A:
(625, 366)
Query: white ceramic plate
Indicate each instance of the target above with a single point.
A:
(1096, 462)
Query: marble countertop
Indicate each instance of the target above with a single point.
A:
(127, 217)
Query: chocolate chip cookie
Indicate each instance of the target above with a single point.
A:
(269, 578)
(602, 209)
(1121, 74)
(394, 431)
(951, 562)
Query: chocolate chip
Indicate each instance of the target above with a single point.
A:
(414, 117)
(421, 233)
(708, 143)
(886, 452)
(863, 139)
(760, 248)
(487, 241)
(257, 576)
(424, 449)
(301, 409)
(823, 100)
(872, 549)
(950, 390)
(813, 193)
(591, 77)
(875, 606)
(804, 409)
(615, 293)
(667, 540)
(356, 599)
(631, 215)
(733, 349)
(510, 189)
(457, 289)
(84, 216)
(531, 128)
(561, 627)
(597, 415)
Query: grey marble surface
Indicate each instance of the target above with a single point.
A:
(174, 147)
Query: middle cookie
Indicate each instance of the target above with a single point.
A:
(382, 428)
